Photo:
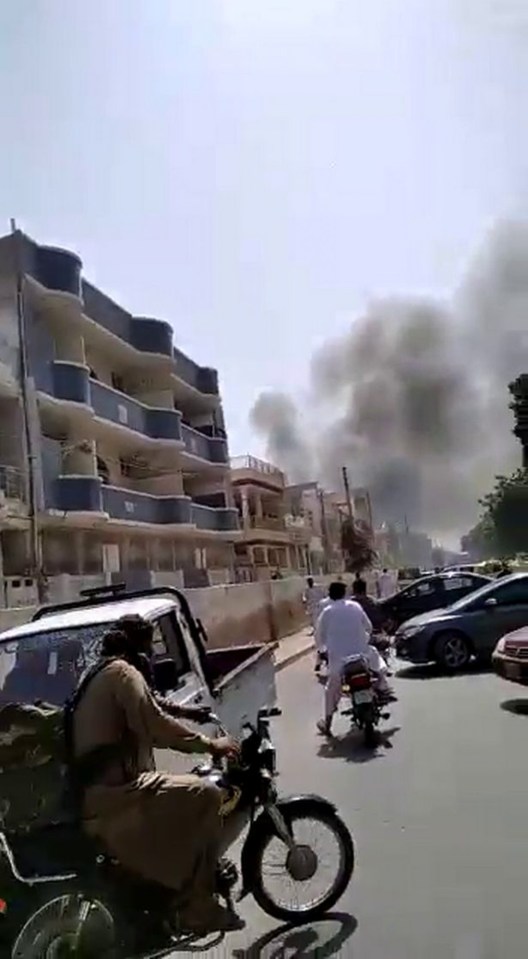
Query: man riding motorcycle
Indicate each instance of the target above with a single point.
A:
(164, 828)
(344, 630)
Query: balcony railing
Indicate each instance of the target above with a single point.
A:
(214, 518)
(126, 504)
(258, 466)
(267, 522)
(110, 404)
(205, 447)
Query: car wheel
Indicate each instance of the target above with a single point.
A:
(452, 652)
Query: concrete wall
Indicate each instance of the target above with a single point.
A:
(232, 614)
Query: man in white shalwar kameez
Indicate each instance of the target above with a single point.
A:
(344, 630)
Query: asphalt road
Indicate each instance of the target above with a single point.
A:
(438, 817)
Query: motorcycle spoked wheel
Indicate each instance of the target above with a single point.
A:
(67, 927)
(301, 863)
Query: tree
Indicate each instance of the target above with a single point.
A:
(356, 544)
(506, 513)
(502, 530)
(519, 407)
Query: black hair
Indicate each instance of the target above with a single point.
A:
(337, 590)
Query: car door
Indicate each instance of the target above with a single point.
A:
(419, 598)
(500, 611)
(169, 640)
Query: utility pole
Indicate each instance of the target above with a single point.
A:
(324, 529)
(35, 544)
(347, 493)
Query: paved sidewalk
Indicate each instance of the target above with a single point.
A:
(293, 647)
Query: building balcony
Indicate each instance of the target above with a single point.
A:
(204, 447)
(88, 494)
(159, 424)
(70, 382)
(124, 504)
(214, 518)
(56, 269)
(270, 529)
(248, 470)
(201, 378)
(266, 522)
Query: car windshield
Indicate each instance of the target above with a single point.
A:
(47, 666)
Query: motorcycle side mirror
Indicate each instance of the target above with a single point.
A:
(166, 676)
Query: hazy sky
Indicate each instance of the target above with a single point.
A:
(254, 170)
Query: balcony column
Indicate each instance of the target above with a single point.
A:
(245, 508)
(69, 346)
(153, 549)
(79, 456)
(258, 506)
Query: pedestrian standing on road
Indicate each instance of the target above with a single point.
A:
(385, 587)
(344, 630)
(358, 581)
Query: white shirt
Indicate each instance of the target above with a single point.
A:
(343, 629)
(313, 596)
(323, 604)
(385, 585)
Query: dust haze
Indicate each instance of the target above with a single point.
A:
(414, 399)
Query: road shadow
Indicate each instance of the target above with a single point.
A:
(519, 707)
(317, 940)
(433, 671)
(351, 747)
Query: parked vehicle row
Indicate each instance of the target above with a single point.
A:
(473, 626)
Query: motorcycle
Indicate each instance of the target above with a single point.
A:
(366, 702)
(78, 901)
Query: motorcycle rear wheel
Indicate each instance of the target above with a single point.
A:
(294, 814)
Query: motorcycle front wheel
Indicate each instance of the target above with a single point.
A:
(66, 927)
(301, 868)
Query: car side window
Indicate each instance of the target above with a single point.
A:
(457, 582)
(512, 594)
(421, 589)
(168, 641)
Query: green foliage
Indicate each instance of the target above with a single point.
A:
(502, 530)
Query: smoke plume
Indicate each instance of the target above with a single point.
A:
(414, 399)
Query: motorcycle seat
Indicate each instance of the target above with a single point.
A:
(355, 668)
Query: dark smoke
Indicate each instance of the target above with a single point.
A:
(414, 399)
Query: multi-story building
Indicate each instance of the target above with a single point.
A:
(320, 514)
(124, 462)
(268, 543)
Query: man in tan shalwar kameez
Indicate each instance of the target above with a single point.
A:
(164, 828)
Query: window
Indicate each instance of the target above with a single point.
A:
(423, 589)
(169, 641)
(458, 582)
(47, 665)
(512, 594)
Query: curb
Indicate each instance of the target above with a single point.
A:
(288, 660)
